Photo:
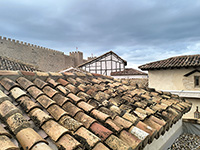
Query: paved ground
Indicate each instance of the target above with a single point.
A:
(186, 142)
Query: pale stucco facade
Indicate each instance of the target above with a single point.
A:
(130, 77)
(173, 79)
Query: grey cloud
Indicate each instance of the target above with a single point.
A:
(139, 31)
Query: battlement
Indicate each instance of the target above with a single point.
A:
(45, 58)
(90, 58)
(76, 52)
(28, 44)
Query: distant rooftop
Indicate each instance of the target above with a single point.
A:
(173, 62)
(9, 64)
(128, 71)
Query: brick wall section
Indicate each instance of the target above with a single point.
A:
(43, 58)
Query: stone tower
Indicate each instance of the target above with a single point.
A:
(78, 58)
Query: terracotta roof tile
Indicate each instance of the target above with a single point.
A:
(45, 101)
(72, 88)
(116, 115)
(71, 108)
(7, 109)
(91, 139)
(111, 125)
(74, 98)
(154, 125)
(39, 83)
(100, 146)
(27, 104)
(73, 81)
(54, 130)
(86, 120)
(122, 122)
(7, 144)
(40, 146)
(35, 92)
(68, 142)
(8, 84)
(94, 103)
(99, 115)
(4, 132)
(70, 123)
(115, 143)
(56, 112)
(102, 132)
(17, 93)
(85, 106)
(84, 96)
(24, 82)
(60, 99)
(173, 62)
(17, 122)
(83, 88)
(130, 139)
(69, 74)
(39, 116)
(62, 81)
(80, 74)
(49, 91)
(107, 111)
(131, 117)
(24, 135)
(52, 82)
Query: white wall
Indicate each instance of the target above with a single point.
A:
(130, 76)
(172, 79)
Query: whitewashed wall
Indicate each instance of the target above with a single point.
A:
(130, 76)
(105, 65)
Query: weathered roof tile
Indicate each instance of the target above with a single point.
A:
(91, 139)
(24, 135)
(129, 116)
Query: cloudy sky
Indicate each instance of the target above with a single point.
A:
(140, 31)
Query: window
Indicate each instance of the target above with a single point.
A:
(196, 80)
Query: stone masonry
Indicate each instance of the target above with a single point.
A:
(44, 58)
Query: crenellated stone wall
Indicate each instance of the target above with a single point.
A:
(44, 58)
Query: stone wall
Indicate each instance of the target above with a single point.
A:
(44, 58)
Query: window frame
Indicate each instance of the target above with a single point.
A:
(196, 81)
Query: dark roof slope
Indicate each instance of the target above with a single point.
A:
(100, 57)
(9, 64)
(173, 62)
(128, 71)
(82, 111)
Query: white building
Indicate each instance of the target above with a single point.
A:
(104, 64)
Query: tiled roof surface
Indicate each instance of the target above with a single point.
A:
(82, 111)
(173, 62)
(8, 64)
(128, 71)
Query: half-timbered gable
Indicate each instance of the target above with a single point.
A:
(104, 64)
